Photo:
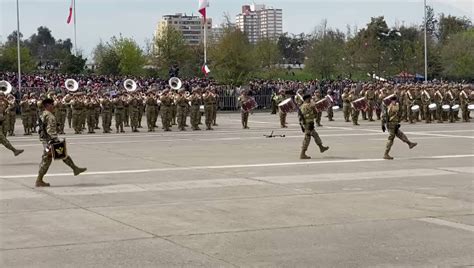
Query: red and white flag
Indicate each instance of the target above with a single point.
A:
(205, 70)
(69, 18)
(203, 4)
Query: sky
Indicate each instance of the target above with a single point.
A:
(101, 19)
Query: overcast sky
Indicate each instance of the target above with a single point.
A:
(101, 19)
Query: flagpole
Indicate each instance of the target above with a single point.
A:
(18, 44)
(205, 40)
(426, 48)
(75, 35)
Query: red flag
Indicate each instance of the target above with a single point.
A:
(203, 4)
(205, 70)
(70, 12)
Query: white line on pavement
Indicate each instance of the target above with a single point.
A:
(451, 224)
(263, 165)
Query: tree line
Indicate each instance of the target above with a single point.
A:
(326, 53)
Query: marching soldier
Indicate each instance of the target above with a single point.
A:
(134, 112)
(181, 109)
(464, 102)
(90, 105)
(11, 115)
(438, 100)
(370, 96)
(317, 97)
(307, 114)
(76, 106)
(391, 122)
(278, 99)
(355, 113)
(362, 94)
(3, 140)
(34, 112)
(244, 97)
(119, 107)
(49, 135)
(61, 113)
(215, 104)
(195, 112)
(346, 104)
(26, 115)
(449, 100)
(107, 108)
(151, 108)
(425, 102)
(208, 100)
(165, 109)
(330, 112)
(409, 101)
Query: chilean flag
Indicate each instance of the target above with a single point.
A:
(203, 4)
(205, 70)
(70, 12)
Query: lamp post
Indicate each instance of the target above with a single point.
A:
(18, 44)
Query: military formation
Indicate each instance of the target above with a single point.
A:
(116, 111)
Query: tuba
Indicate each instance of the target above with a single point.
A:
(71, 85)
(130, 85)
(5, 87)
(175, 83)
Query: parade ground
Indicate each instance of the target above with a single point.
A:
(235, 198)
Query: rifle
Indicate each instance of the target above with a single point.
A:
(274, 136)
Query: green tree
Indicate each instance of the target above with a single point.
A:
(450, 25)
(131, 56)
(325, 52)
(73, 64)
(231, 59)
(170, 49)
(9, 60)
(267, 53)
(457, 56)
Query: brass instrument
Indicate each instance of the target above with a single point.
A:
(130, 85)
(175, 83)
(71, 85)
(6, 87)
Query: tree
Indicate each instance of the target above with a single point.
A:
(326, 52)
(457, 56)
(9, 60)
(450, 25)
(170, 49)
(130, 55)
(73, 64)
(267, 53)
(231, 59)
(292, 48)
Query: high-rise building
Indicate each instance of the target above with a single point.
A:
(190, 27)
(259, 22)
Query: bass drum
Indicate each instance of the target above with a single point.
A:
(455, 108)
(432, 107)
(287, 106)
(446, 108)
(415, 108)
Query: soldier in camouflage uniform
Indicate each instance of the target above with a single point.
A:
(126, 111)
(61, 112)
(3, 140)
(68, 110)
(11, 115)
(166, 104)
(76, 106)
(346, 104)
(215, 104)
(151, 108)
(317, 97)
(51, 136)
(26, 115)
(34, 112)
(195, 112)
(134, 112)
(307, 116)
(90, 105)
(391, 122)
(208, 100)
(173, 109)
(107, 108)
(119, 107)
(282, 115)
(464, 102)
(354, 112)
(182, 106)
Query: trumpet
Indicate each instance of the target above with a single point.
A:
(71, 85)
(130, 85)
(175, 83)
(5, 87)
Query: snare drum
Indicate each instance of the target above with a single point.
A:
(470, 107)
(287, 106)
(201, 108)
(432, 107)
(249, 105)
(388, 99)
(360, 104)
(415, 108)
(446, 108)
(455, 108)
(324, 104)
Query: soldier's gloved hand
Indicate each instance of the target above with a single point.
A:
(384, 128)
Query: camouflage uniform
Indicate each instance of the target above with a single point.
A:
(182, 106)
(107, 108)
(134, 112)
(346, 105)
(196, 103)
(3, 140)
(26, 115)
(51, 135)
(355, 113)
(119, 114)
(166, 104)
(244, 114)
(463, 103)
(282, 115)
(319, 115)
(60, 113)
(76, 106)
(308, 112)
(391, 119)
(90, 107)
(151, 109)
(208, 110)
